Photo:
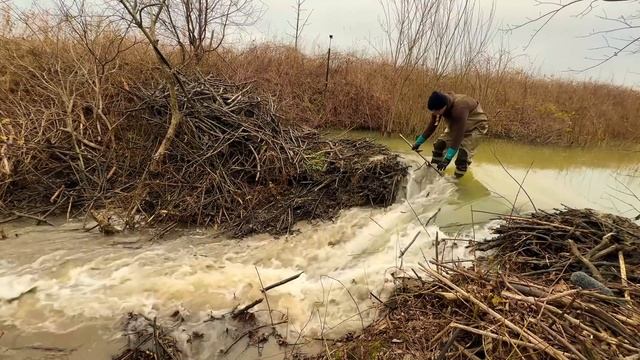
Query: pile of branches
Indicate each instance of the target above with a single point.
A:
(231, 163)
(536, 297)
(566, 241)
(466, 314)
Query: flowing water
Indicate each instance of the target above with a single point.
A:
(63, 291)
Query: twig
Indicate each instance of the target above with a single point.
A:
(10, 219)
(574, 250)
(160, 234)
(437, 243)
(39, 219)
(156, 349)
(377, 298)
(404, 251)
(516, 181)
(559, 338)
(606, 240)
(515, 201)
(266, 297)
(246, 308)
(375, 222)
(623, 275)
(282, 282)
(429, 164)
(352, 299)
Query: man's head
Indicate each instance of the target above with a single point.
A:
(437, 103)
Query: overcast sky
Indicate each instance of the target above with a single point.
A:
(556, 50)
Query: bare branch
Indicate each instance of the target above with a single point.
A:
(301, 21)
(198, 27)
(625, 23)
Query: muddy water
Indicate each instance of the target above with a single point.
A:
(63, 291)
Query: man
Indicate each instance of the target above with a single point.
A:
(466, 123)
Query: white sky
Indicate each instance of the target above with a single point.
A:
(555, 51)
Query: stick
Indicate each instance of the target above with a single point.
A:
(516, 181)
(529, 291)
(601, 246)
(539, 343)
(437, 250)
(623, 275)
(282, 282)
(439, 335)
(404, 251)
(163, 232)
(246, 308)
(39, 219)
(423, 158)
(607, 251)
(155, 339)
(8, 220)
(266, 298)
(352, 299)
(424, 226)
(574, 250)
(377, 298)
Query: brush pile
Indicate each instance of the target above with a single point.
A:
(560, 285)
(564, 242)
(231, 163)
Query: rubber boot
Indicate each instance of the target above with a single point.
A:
(462, 163)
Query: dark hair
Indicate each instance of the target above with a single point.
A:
(437, 101)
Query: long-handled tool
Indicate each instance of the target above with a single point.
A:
(423, 158)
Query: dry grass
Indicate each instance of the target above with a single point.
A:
(368, 94)
(363, 93)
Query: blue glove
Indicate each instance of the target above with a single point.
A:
(451, 152)
(419, 141)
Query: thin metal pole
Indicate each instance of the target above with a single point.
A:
(326, 80)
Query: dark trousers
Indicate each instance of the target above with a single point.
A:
(462, 160)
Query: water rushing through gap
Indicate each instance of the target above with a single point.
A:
(78, 284)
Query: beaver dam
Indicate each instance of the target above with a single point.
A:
(231, 163)
(560, 285)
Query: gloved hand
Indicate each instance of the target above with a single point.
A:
(419, 141)
(451, 152)
(442, 165)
